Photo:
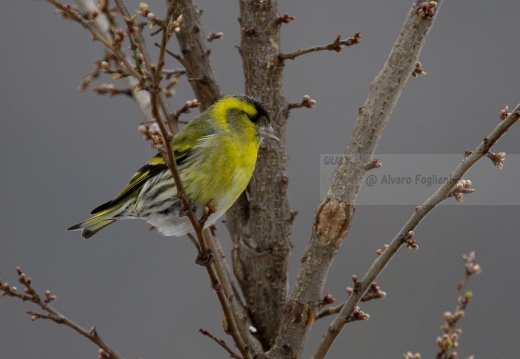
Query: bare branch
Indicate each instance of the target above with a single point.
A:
(71, 13)
(305, 102)
(286, 18)
(52, 314)
(207, 91)
(155, 90)
(226, 298)
(188, 105)
(451, 334)
(238, 311)
(87, 80)
(221, 343)
(111, 90)
(102, 26)
(214, 36)
(336, 45)
(401, 238)
(329, 311)
(135, 37)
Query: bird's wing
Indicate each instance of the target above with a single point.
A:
(182, 146)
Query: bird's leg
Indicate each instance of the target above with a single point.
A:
(199, 260)
(192, 208)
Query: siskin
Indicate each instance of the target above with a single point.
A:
(216, 155)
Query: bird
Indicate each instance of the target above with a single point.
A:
(216, 154)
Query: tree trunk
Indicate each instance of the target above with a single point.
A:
(260, 221)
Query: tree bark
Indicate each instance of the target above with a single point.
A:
(260, 221)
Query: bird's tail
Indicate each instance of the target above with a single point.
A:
(98, 221)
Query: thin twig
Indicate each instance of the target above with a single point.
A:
(188, 105)
(449, 340)
(420, 213)
(225, 298)
(170, 157)
(237, 309)
(373, 292)
(172, 124)
(305, 102)
(336, 45)
(136, 37)
(105, 25)
(72, 14)
(158, 71)
(190, 71)
(172, 166)
(329, 311)
(221, 343)
(111, 90)
(53, 315)
(134, 41)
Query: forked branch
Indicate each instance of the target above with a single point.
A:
(469, 159)
(30, 294)
(334, 214)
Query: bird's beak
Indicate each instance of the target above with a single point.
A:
(268, 132)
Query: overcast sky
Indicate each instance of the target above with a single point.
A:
(63, 153)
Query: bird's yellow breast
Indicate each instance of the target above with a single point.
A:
(224, 169)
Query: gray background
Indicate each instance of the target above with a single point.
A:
(62, 153)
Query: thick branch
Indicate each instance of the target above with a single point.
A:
(420, 213)
(334, 214)
(196, 54)
(260, 221)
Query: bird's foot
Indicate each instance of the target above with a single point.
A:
(205, 261)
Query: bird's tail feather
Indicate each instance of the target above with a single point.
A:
(95, 223)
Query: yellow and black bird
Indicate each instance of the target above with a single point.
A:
(216, 155)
